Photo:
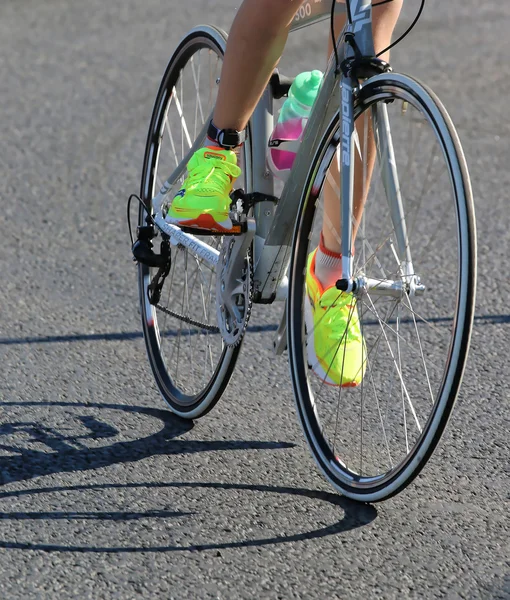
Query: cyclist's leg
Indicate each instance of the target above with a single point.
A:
(329, 260)
(256, 42)
(343, 362)
(254, 47)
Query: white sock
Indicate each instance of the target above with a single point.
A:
(328, 266)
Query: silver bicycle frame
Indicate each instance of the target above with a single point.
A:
(272, 263)
(275, 226)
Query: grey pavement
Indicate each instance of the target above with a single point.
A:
(104, 494)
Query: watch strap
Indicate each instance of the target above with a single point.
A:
(226, 138)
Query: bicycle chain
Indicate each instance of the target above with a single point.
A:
(206, 326)
(187, 320)
(250, 303)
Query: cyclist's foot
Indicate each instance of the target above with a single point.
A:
(335, 347)
(203, 202)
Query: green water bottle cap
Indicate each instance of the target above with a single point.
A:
(306, 85)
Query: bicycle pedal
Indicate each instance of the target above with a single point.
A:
(242, 203)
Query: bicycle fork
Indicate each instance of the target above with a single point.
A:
(345, 156)
(409, 283)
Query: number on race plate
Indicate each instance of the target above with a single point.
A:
(305, 10)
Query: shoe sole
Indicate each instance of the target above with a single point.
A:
(205, 222)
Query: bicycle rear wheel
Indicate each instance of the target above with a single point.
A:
(372, 440)
(191, 364)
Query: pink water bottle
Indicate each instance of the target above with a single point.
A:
(286, 137)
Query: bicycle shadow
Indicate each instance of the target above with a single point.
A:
(65, 457)
(355, 515)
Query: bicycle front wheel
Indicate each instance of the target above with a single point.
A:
(191, 364)
(373, 439)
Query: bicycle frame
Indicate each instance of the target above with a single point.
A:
(275, 227)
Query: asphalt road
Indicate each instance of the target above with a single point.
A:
(104, 494)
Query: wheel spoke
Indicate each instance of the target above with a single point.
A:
(184, 127)
(409, 306)
(198, 101)
(172, 143)
(399, 372)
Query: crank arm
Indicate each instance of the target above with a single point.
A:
(194, 244)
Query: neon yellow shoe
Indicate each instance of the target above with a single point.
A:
(335, 347)
(203, 201)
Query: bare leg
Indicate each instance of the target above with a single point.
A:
(256, 41)
(255, 45)
(384, 21)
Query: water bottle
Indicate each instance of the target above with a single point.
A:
(286, 137)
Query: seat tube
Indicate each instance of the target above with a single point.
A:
(263, 182)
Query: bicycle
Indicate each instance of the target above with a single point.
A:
(370, 441)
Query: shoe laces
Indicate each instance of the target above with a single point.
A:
(215, 174)
(341, 317)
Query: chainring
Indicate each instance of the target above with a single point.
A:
(234, 289)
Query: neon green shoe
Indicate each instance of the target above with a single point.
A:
(203, 201)
(335, 347)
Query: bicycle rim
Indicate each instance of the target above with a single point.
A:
(190, 362)
(373, 439)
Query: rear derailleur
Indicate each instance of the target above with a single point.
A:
(143, 253)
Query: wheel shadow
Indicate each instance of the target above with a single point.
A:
(355, 514)
(72, 454)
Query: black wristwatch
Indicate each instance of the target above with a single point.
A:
(226, 138)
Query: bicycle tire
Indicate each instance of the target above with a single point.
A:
(184, 397)
(350, 481)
